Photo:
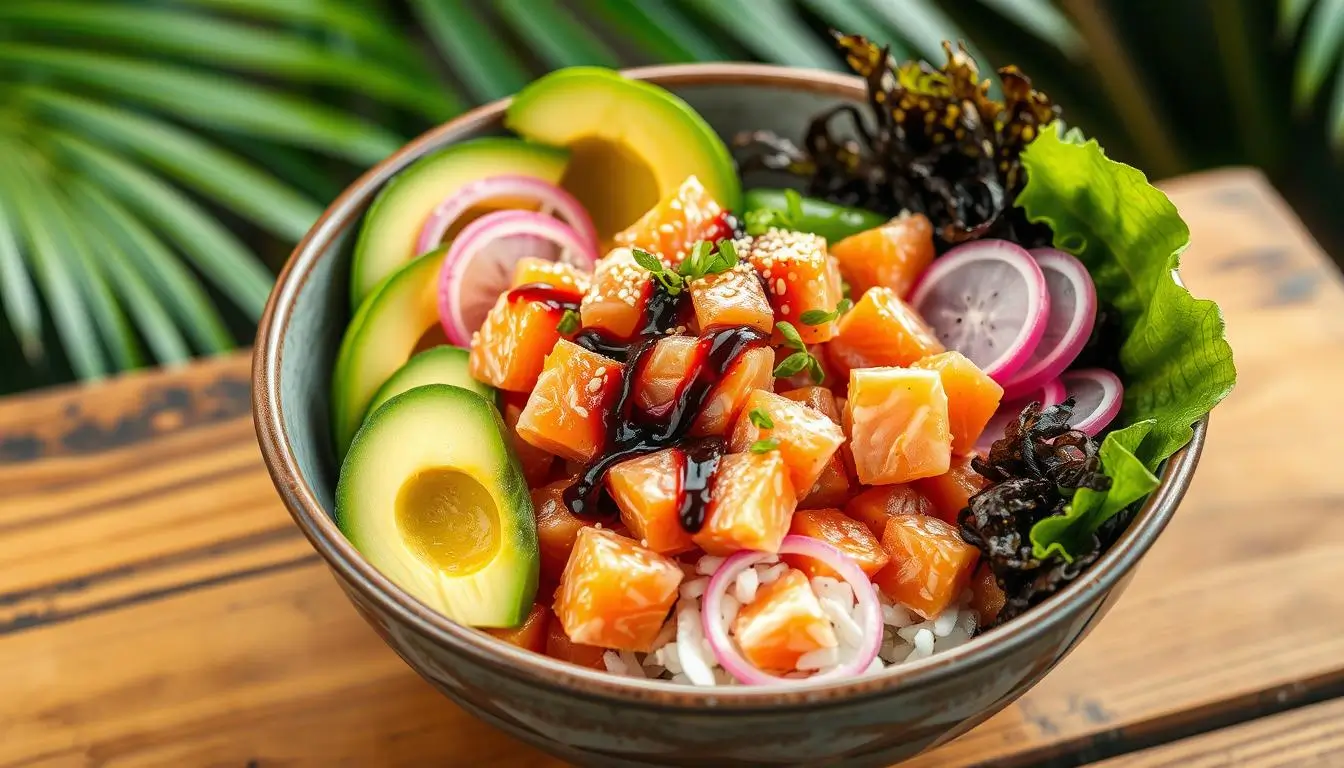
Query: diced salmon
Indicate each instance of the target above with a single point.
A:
(531, 634)
(840, 531)
(881, 330)
(972, 397)
(784, 622)
(816, 398)
(676, 223)
(987, 598)
(559, 646)
(557, 528)
(557, 274)
(566, 413)
(615, 593)
(878, 504)
(835, 485)
(614, 303)
(510, 348)
(799, 276)
(897, 424)
(669, 364)
(930, 564)
(951, 491)
(752, 503)
(648, 492)
(536, 462)
(734, 297)
(893, 255)
(807, 438)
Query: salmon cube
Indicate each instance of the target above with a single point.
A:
(897, 424)
(881, 330)
(567, 412)
(799, 276)
(840, 531)
(807, 438)
(972, 397)
(537, 463)
(734, 297)
(951, 491)
(668, 366)
(531, 634)
(893, 255)
(614, 303)
(784, 622)
(875, 506)
(834, 486)
(987, 597)
(557, 274)
(559, 646)
(615, 593)
(930, 564)
(647, 491)
(751, 507)
(509, 350)
(817, 398)
(557, 528)
(677, 222)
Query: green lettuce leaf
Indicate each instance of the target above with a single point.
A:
(1177, 362)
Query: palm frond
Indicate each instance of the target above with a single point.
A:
(1322, 39)
(555, 36)
(1042, 20)
(18, 295)
(856, 18)
(656, 26)
(770, 29)
(473, 50)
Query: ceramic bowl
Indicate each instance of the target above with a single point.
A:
(591, 717)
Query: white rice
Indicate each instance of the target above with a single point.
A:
(681, 652)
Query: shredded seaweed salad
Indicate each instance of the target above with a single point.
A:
(932, 141)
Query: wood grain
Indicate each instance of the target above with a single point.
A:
(157, 607)
(1311, 737)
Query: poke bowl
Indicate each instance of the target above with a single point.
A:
(549, 394)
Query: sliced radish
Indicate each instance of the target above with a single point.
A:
(1073, 311)
(479, 264)
(1051, 393)
(1097, 395)
(987, 300)
(507, 186)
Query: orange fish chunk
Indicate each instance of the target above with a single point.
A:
(897, 423)
(876, 505)
(844, 533)
(784, 622)
(799, 276)
(972, 397)
(951, 491)
(566, 413)
(881, 330)
(648, 492)
(893, 255)
(930, 564)
(531, 634)
(807, 438)
(615, 593)
(752, 503)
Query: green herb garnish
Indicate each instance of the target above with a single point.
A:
(569, 322)
(761, 419)
(703, 259)
(801, 360)
(822, 317)
(761, 220)
(765, 446)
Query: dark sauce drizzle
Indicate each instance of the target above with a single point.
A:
(634, 432)
(554, 299)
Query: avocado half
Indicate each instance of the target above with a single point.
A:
(431, 495)
(381, 337)
(443, 364)
(392, 225)
(631, 143)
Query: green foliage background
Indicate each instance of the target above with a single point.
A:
(158, 158)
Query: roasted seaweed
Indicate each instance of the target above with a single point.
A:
(932, 142)
(1034, 470)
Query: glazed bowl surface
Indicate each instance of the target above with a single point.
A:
(587, 716)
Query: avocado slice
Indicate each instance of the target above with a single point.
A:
(431, 494)
(383, 334)
(627, 137)
(387, 238)
(444, 364)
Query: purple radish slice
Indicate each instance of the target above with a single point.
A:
(1097, 395)
(1051, 393)
(987, 300)
(1073, 311)
(479, 264)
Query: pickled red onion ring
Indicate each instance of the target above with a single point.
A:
(726, 653)
(552, 198)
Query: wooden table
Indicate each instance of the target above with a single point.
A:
(157, 607)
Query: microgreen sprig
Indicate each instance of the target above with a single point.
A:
(760, 419)
(703, 259)
(822, 317)
(765, 446)
(761, 220)
(801, 360)
(569, 322)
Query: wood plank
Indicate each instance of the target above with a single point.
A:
(158, 608)
(1257, 544)
(1310, 737)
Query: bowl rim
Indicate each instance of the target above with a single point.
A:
(537, 669)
